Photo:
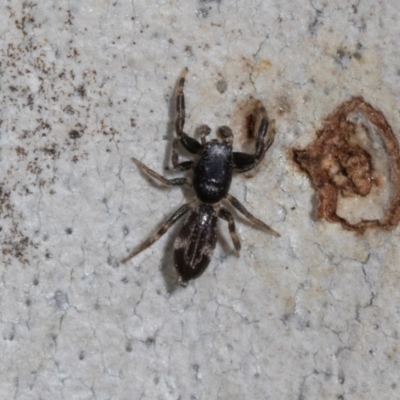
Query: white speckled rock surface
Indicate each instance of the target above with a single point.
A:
(84, 86)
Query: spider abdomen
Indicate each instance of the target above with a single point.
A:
(196, 242)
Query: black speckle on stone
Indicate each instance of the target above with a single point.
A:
(30, 101)
(74, 134)
(69, 110)
(149, 341)
(125, 230)
(81, 91)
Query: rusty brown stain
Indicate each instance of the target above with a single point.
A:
(262, 65)
(339, 167)
(245, 117)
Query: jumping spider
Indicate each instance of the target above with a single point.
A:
(212, 176)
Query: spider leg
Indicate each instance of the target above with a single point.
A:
(165, 181)
(243, 162)
(183, 165)
(190, 144)
(240, 207)
(164, 228)
(227, 216)
(203, 131)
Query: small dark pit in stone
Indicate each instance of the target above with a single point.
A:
(74, 134)
(202, 12)
(128, 347)
(149, 341)
(222, 86)
(196, 367)
(125, 230)
(69, 110)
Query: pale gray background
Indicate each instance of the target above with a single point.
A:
(311, 315)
